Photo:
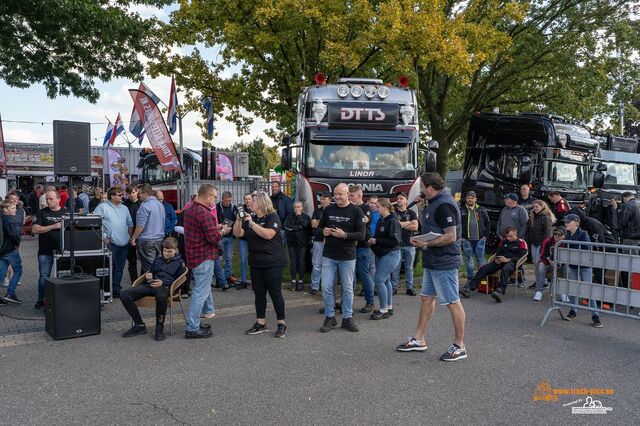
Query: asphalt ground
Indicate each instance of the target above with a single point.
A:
(338, 377)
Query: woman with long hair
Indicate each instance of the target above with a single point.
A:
(541, 220)
(385, 244)
(267, 260)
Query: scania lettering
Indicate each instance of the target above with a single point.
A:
(358, 131)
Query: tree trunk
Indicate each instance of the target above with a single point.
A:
(442, 160)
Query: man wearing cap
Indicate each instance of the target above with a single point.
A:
(510, 250)
(582, 273)
(512, 215)
(546, 258)
(318, 242)
(475, 229)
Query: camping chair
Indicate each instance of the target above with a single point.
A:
(515, 274)
(174, 296)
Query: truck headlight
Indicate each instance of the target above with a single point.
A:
(383, 92)
(370, 91)
(356, 91)
(343, 91)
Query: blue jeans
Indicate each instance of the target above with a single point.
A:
(226, 244)
(346, 270)
(119, 257)
(535, 254)
(363, 261)
(585, 275)
(243, 247)
(201, 298)
(11, 259)
(316, 260)
(471, 249)
(407, 254)
(385, 265)
(45, 263)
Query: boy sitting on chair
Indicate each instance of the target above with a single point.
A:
(164, 271)
(510, 250)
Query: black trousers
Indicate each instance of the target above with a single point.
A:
(268, 280)
(129, 296)
(297, 257)
(132, 260)
(506, 269)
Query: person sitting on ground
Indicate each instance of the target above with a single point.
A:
(510, 250)
(545, 262)
(164, 271)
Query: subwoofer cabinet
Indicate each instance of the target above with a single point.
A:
(72, 306)
(97, 263)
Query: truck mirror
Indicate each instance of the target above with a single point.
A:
(286, 140)
(285, 160)
(598, 178)
(430, 164)
(433, 145)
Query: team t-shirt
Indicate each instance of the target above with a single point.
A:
(265, 253)
(366, 211)
(406, 216)
(49, 241)
(446, 216)
(317, 232)
(351, 220)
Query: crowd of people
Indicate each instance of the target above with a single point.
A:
(349, 240)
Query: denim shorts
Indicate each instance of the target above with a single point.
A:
(442, 284)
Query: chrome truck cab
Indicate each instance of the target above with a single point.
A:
(357, 131)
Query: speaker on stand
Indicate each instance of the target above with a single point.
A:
(72, 303)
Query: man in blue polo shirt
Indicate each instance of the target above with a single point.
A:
(117, 227)
(149, 231)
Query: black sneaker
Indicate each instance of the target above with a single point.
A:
(338, 307)
(571, 315)
(329, 323)
(281, 331)
(4, 302)
(410, 292)
(395, 291)
(454, 353)
(12, 299)
(596, 321)
(321, 311)
(348, 324)
(361, 294)
(377, 315)
(257, 329)
(465, 291)
(294, 285)
(225, 287)
(159, 335)
(390, 312)
(241, 286)
(198, 334)
(299, 286)
(313, 291)
(366, 308)
(39, 304)
(532, 286)
(497, 295)
(136, 330)
(205, 326)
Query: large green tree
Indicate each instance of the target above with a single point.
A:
(67, 44)
(570, 57)
(261, 156)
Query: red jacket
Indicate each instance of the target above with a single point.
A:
(64, 196)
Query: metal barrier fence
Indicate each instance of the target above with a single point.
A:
(603, 274)
(237, 188)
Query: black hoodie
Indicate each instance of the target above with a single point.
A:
(167, 270)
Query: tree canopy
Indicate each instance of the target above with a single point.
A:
(570, 57)
(67, 44)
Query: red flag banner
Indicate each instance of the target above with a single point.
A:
(156, 130)
(3, 153)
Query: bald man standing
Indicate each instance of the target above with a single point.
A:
(343, 225)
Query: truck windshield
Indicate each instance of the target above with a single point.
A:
(360, 156)
(570, 175)
(620, 174)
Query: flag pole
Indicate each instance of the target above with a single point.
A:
(181, 189)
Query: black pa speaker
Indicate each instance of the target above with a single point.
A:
(71, 148)
(72, 306)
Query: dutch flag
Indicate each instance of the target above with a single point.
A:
(208, 107)
(119, 128)
(172, 113)
(107, 135)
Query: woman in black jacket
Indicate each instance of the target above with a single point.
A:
(297, 227)
(386, 246)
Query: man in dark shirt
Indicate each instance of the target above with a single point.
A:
(510, 250)
(342, 225)
(475, 230)
(97, 199)
(227, 213)
(132, 203)
(363, 251)
(525, 199)
(282, 204)
(440, 261)
(409, 223)
(560, 206)
(318, 242)
(628, 219)
(47, 225)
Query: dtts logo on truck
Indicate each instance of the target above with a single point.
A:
(371, 114)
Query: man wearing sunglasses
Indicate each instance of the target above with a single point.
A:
(117, 227)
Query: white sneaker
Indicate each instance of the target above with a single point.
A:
(564, 298)
(538, 296)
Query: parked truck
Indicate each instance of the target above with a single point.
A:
(358, 131)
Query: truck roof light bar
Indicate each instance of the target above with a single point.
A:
(360, 81)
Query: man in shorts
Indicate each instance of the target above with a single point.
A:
(441, 258)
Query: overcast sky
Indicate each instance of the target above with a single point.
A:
(33, 105)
